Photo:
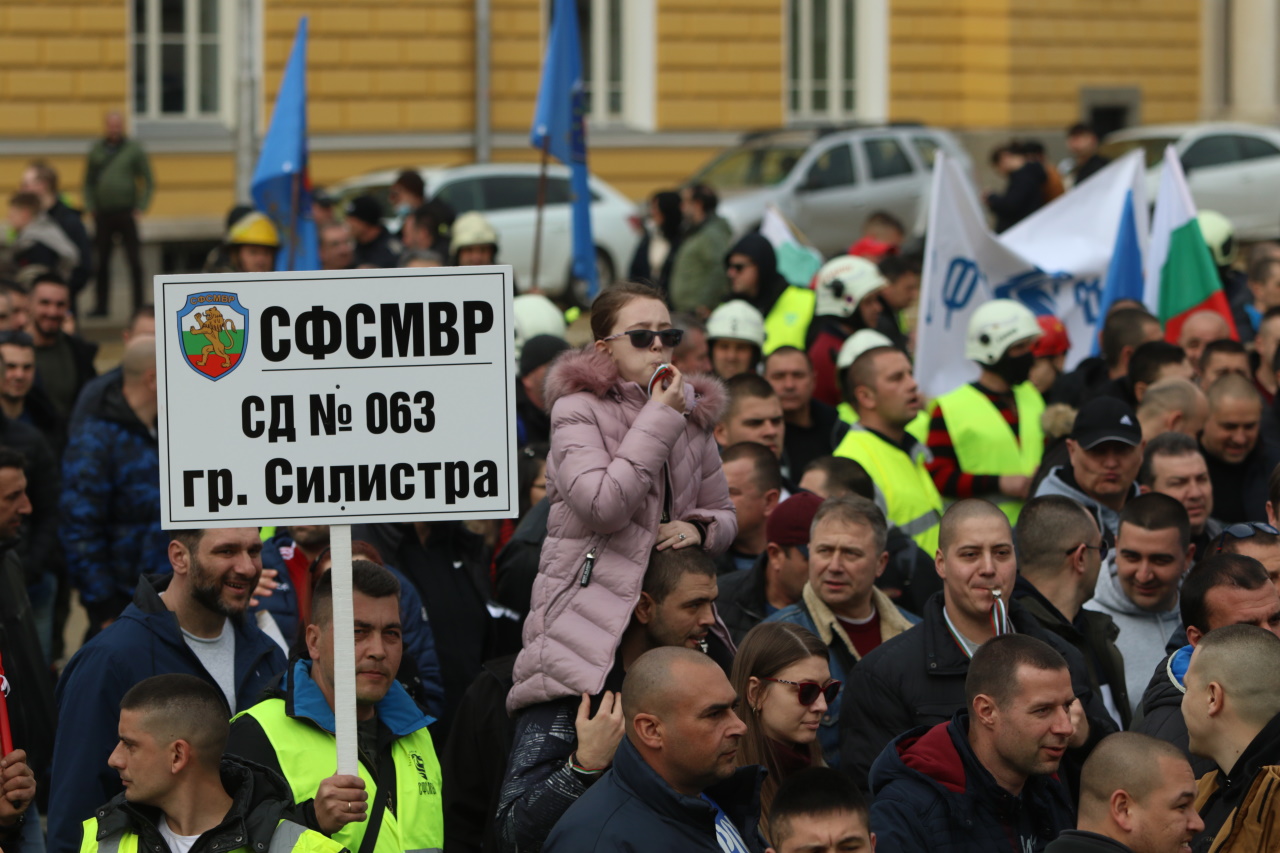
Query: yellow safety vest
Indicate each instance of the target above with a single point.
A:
(289, 837)
(305, 753)
(789, 318)
(919, 426)
(914, 505)
(984, 442)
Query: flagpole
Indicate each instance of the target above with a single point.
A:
(537, 222)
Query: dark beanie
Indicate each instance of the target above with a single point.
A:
(540, 350)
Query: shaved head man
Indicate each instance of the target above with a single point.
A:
(1232, 709)
(1239, 463)
(681, 746)
(1172, 405)
(1200, 329)
(1138, 792)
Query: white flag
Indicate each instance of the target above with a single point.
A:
(1054, 262)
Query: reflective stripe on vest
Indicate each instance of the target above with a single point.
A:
(913, 500)
(288, 837)
(305, 753)
(789, 318)
(984, 441)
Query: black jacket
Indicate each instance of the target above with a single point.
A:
(1089, 168)
(32, 713)
(474, 760)
(770, 284)
(641, 270)
(382, 251)
(38, 546)
(1240, 490)
(260, 799)
(741, 599)
(1080, 384)
(536, 421)
(1078, 841)
(917, 679)
(83, 353)
(1093, 634)
(451, 574)
(1023, 196)
(517, 563)
(68, 219)
(933, 794)
(802, 445)
(633, 810)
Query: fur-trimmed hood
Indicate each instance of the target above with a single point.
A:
(590, 370)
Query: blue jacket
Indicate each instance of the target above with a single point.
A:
(633, 810)
(145, 641)
(934, 796)
(111, 506)
(419, 642)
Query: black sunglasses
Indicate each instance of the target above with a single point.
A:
(809, 691)
(1245, 530)
(1103, 549)
(643, 338)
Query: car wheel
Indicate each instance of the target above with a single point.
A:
(577, 291)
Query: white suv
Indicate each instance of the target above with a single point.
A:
(507, 195)
(827, 181)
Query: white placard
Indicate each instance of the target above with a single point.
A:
(336, 397)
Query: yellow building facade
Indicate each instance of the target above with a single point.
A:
(393, 83)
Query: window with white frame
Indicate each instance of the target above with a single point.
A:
(179, 58)
(618, 72)
(836, 59)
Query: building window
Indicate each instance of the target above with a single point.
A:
(836, 59)
(178, 58)
(822, 61)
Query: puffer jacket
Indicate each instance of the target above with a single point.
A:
(614, 454)
(1159, 713)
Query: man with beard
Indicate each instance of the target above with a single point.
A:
(291, 731)
(985, 437)
(189, 622)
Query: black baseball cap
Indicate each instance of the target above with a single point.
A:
(1106, 419)
(366, 209)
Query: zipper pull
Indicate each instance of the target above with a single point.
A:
(587, 566)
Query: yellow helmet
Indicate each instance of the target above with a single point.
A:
(254, 229)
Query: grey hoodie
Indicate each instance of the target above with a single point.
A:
(42, 229)
(1143, 633)
(1108, 519)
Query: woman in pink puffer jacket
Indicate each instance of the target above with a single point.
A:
(628, 471)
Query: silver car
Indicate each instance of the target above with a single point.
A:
(506, 193)
(828, 181)
(1231, 168)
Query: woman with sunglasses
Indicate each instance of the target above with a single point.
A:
(784, 683)
(633, 466)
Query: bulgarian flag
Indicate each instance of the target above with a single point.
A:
(1181, 276)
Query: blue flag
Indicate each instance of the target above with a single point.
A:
(281, 182)
(558, 124)
(1124, 278)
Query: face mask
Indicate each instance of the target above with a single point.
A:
(404, 209)
(1015, 369)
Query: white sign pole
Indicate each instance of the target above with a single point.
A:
(344, 651)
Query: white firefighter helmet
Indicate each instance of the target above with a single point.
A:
(737, 320)
(535, 315)
(843, 283)
(472, 229)
(858, 343)
(996, 326)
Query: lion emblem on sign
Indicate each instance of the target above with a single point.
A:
(213, 329)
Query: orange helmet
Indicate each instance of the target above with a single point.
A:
(1054, 341)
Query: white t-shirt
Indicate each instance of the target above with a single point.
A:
(219, 657)
(176, 843)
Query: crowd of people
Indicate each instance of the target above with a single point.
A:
(760, 594)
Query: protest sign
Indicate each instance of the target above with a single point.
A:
(336, 398)
(1055, 262)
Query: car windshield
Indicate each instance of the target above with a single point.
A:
(755, 166)
(1152, 147)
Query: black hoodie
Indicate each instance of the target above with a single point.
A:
(770, 285)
